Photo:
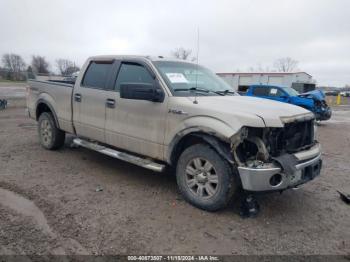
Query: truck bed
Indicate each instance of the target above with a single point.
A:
(58, 95)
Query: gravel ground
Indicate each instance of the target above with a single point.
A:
(49, 204)
(12, 90)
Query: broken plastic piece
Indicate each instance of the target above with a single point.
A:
(249, 207)
(3, 103)
(99, 189)
(345, 198)
(288, 163)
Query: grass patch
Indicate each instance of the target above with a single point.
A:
(11, 81)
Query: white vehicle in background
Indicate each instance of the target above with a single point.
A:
(345, 93)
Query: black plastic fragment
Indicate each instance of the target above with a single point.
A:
(3, 103)
(249, 207)
(345, 198)
(288, 163)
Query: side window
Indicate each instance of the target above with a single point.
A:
(275, 92)
(96, 75)
(261, 91)
(133, 73)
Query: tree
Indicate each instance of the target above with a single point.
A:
(286, 64)
(40, 65)
(30, 73)
(14, 64)
(182, 53)
(66, 67)
(259, 68)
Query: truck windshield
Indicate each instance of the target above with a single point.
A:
(290, 91)
(185, 78)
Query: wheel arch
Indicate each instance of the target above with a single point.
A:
(43, 105)
(192, 137)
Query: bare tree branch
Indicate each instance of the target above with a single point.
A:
(182, 53)
(14, 64)
(66, 67)
(40, 65)
(286, 64)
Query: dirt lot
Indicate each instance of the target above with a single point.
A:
(49, 204)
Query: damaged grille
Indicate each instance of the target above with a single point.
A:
(293, 137)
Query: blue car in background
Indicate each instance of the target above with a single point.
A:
(313, 100)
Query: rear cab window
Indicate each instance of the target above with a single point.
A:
(97, 75)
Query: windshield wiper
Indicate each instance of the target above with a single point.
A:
(225, 92)
(199, 90)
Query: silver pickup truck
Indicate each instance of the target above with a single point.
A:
(156, 112)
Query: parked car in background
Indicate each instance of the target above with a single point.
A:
(313, 100)
(70, 79)
(345, 93)
(331, 93)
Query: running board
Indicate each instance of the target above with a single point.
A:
(143, 162)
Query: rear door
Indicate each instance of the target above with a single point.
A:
(90, 100)
(261, 91)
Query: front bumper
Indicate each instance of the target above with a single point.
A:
(270, 177)
(324, 114)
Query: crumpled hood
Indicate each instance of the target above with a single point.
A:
(315, 94)
(242, 106)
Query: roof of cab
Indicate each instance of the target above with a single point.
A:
(267, 85)
(141, 57)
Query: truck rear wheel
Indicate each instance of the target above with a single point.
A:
(50, 136)
(205, 179)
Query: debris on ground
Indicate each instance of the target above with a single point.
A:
(99, 189)
(249, 207)
(344, 197)
(73, 145)
(3, 103)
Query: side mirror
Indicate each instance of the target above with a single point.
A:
(141, 91)
(284, 97)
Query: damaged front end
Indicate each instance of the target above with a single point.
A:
(320, 108)
(271, 159)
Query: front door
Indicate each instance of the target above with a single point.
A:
(136, 125)
(278, 95)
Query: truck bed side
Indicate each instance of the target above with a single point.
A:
(55, 95)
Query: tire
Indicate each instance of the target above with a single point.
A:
(205, 179)
(49, 135)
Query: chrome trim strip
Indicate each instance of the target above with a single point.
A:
(308, 163)
(308, 154)
(145, 163)
(260, 170)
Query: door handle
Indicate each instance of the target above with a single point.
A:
(110, 103)
(77, 97)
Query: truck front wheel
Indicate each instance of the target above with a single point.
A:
(51, 137)
(205, 179)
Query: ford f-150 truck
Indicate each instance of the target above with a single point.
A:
(315, 100)
(156, 112)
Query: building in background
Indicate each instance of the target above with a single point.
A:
(300, 81)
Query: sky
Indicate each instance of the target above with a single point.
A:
(234, 35)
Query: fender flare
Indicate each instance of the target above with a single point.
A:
(43, 101)
(220, 145)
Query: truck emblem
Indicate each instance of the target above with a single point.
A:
(178, 112)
